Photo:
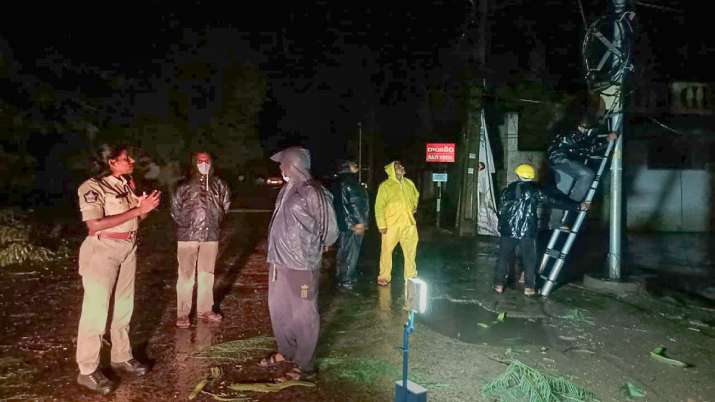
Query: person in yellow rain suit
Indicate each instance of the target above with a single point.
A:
(395, 208)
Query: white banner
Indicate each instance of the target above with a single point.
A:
(488, 222)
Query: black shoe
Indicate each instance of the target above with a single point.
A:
(132, 366)
(96, 382)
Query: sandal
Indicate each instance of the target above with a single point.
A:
(529, 292)
(273, 360)
(382, 282)
(499, 289)
(296, 374)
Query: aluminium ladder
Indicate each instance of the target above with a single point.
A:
(558, 248)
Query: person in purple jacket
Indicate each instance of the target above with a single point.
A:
(303, 226)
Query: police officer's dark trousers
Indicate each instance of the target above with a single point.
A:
(348, 255)
(507, 254)
(293, 306)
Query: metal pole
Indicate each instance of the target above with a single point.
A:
(439, 201)
(405, 357)
(409, 327)
(360, 152)
(616, 201)
(616, 229)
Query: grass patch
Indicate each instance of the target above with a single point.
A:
(367, 371)
(359, 370)
(576, 315)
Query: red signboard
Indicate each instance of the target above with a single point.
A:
(440, 153)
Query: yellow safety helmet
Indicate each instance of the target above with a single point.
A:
(525, 171)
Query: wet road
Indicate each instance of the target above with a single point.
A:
(42, 340)
(458, 344)
(42, 310)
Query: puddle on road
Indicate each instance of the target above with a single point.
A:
(472, 324)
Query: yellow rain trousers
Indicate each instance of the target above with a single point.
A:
(395, 206)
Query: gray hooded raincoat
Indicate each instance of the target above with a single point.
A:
(303, 222)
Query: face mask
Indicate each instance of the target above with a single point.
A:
(203, 168)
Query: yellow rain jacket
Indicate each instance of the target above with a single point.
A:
(396, 201)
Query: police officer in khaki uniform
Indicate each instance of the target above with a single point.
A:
(107, 263)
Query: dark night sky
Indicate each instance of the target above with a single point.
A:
(367, 52)
(133, 36)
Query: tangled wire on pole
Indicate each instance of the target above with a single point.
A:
(607, 60)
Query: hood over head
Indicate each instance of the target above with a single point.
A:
(390, 170)
(195, 170)
(344, 166)
(297, 161)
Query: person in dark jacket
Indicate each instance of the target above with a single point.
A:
(518, 205)
(571, 147)
(303, 226)
(352, 208)
(198, 207)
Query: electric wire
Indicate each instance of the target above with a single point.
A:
(659, 7)
(622, 28)
(666, 127)
(583, 15)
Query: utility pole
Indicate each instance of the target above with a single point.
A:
(483, 32)
(614, 94)
(359, 152)
(370, 151)
(467, 216)
(607, 57)
(467, 209)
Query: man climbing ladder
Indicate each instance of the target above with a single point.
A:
(571, 155)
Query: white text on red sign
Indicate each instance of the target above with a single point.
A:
(440, 152)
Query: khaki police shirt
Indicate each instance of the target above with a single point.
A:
(107, 196)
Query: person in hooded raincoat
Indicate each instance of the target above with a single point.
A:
(352, 208)
(198, 208)
(395, 208)
(570, 148)
(302, 227)
(577, 138)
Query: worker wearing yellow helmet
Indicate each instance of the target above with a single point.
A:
(518, 204)
(525, 172)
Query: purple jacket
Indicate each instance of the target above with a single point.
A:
(303, 222)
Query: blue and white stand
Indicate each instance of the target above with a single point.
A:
(406, 390)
